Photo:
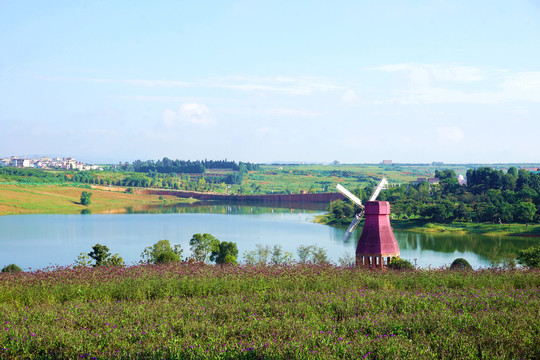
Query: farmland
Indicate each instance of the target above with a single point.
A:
(197, 311)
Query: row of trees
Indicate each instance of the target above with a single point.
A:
(206, 248)
(167, 165)
(489, 196)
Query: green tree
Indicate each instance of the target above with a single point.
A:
(225, 253)
(167, 257)
(115, 260)
(512, 171)
(100, 253)
(83, 260)
(11, 268)
(462, 212)
(201, 245)
(304, 252)
(319, 256)
(102, 256)
(400, 264)
(278, 257)
(524, 212)
(162, 252)
(259, 256)
(85, 198)
(528, 257)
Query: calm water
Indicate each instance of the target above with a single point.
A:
(37, 241)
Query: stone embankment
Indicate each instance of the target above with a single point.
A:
(266, 198)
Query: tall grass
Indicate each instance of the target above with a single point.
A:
(198, 311)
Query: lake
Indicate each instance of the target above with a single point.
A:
(38, 241)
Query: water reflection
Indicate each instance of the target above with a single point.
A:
(39, 240)
(490, 250)
(215, 207)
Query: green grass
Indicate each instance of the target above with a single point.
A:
(65, 199)
(194, 311)
(319, 178)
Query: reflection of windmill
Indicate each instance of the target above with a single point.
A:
(377, 240)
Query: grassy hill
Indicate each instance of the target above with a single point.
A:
(197, 311)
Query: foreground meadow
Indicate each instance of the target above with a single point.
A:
(196, 311)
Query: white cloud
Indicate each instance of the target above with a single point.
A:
(291, 112)
(523, 86)
(350, 97)
(195, 113)
(265, 130)
(421, 73)
(170, 117)
(277, 84)
(450, 133)
(439, 84)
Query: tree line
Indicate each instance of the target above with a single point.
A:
(489, 196)
(206, 248)
(167, 166)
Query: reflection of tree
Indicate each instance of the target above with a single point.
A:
(496, 249)
(210, 208)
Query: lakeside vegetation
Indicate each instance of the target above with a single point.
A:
(198, 311)
(494, 202)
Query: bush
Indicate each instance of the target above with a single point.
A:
(162, 252)
(11, 268)
(167, 257)
(400, 264)
(529, 257)
(460, 264)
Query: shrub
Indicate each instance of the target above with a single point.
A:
(400, 264)
(529, 257)
(167, 257)
(162, 252)
(11, 268)
(460, 264)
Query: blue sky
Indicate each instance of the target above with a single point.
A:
(314, 81)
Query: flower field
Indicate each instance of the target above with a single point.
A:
(197, 311)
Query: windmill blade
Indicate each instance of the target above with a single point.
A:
(353, 225)
(350, 195)
(378, 189)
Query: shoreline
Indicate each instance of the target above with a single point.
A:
(457, 228)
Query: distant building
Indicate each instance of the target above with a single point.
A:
(387, 162)
(48, 163)
(17, 162)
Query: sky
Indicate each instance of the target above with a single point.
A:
(263, 81)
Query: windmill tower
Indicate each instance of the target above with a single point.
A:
(377, 244)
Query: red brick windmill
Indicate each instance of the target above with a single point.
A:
(377, 242)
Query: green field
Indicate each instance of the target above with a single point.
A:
(65, 199)
(196, 311)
